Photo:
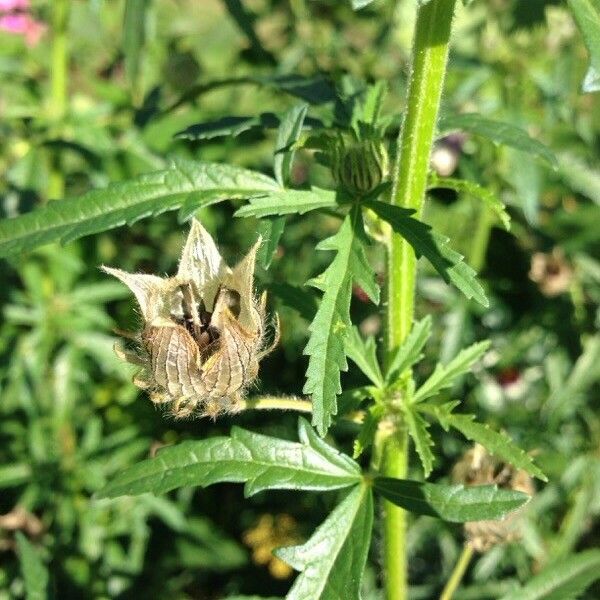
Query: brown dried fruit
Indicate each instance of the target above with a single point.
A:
(204, 330)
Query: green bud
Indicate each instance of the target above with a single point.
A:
(361, 167)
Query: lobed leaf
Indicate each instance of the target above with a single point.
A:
(498, 444)
(499, 133)
(444, 375)
(455, 503)
(287, 202)
(418, 431)
(368, 429)
(187, 183)
(331, 325)
(332, 561)
(463, 186)
(364, 354)
(409, 351)
(565, 580)
(288, 133)
(448, 263)
(260, 461)
(35, 573)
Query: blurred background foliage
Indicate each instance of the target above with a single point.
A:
(95, 92)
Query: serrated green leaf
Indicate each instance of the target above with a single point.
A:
(262, 462)
(564, 580)
(409, 351)
(418, 431)
(455, 503)
(587, 17)
(499, 133)
(462, 186)
(364, 354)
(35, 574)
(332, 561)
(448, 263)
(287, 202)
(368, 429)
(498, 444)
(331, 325)
(444, 376)
(129, 201)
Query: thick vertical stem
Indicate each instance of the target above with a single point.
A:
(429, 62)
(58, 85)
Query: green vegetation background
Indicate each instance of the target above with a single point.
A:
(70, 417)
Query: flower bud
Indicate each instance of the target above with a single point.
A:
(361, 167)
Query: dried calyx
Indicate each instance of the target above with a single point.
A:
(204, 330)
(479, 467)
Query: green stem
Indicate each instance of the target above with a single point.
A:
(58, 86)
(429, 63)
(458, 573)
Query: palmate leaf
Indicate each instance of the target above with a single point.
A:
(332, 561)
(33, 569)
(287, 202)
(331, 325)
(410, 350)
(565, 580)
(444, 376)
(499, 133)
(364, 354)
(587, 17)
(448, 263)
(463, 186)
(261, 462)
(455, 503)
(498, 444)
(418, 431)
(183, 183)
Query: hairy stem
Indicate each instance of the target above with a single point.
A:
(458, 573)
(276, 403)
(429, 63)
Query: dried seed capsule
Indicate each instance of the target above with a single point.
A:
(203, 335)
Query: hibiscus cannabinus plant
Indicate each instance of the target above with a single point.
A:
(205, 330)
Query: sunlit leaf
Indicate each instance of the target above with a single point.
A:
(456, 503)
(332, 561)
(498, 444)
(448, 263)
(498, 132)
(444, 375)
(364, 354)
(463, 186)
(331, 325)
(287, 202)
(261, 462)
(188, 183)
(410, 350)
(418, 431)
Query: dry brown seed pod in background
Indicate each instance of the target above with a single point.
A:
(204, 330)
(479, 467)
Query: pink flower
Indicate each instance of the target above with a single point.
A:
(23, 24)
(8, 5)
